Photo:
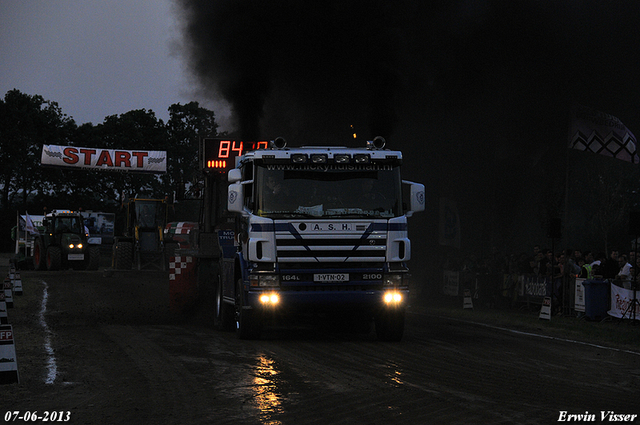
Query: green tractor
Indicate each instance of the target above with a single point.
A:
(62, 243)
(143, 244)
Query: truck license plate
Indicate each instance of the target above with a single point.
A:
(75, 257)
(331, 277)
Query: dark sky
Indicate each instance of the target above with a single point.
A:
(95, 58)
(476, 93)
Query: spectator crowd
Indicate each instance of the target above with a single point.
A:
(496, 276)
(576, 263)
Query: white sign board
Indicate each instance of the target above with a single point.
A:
(579, 296)
(623, 303)
(144, 161)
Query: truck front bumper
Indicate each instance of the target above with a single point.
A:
(303, 301)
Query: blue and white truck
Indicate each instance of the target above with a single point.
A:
(309, 230)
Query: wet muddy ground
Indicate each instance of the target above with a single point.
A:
(119, 355)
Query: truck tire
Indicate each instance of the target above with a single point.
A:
(54, 258)
(390, 325)
(39, 255)
(94, 258)
(247, 324)
(123, 255)
(223, 319)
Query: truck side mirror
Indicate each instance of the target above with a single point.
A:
(234, 176)
(235, 198)
(416, 197)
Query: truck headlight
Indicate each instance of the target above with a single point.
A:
(392, 297)
(270, 299)
(264, 280)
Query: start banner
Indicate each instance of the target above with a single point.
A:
(104, 159)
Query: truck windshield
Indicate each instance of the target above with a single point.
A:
(294, 191)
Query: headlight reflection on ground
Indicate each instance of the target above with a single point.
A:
(267, 398)
(394, 374)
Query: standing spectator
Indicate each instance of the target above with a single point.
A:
(577, 255)
(611, 267)
(572, 262)
(536, 250)
(588, 257)
(598, 265)
(560, 272)
(625, 268)
(585, 269)
(540, 264)
(534, 266)
(546, 265)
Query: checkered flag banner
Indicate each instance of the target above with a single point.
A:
(604, 134)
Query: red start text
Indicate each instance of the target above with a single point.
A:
(119, 159)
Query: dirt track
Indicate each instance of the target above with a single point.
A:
(122, 357)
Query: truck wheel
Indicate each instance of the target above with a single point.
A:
(390, 325)
(247, 324)
(223, 320)
(94, 258)
(54, 258)
(123, 255)
(38, 255)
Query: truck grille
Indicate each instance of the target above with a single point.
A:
(296, 247)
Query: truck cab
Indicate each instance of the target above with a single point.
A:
(322, 230)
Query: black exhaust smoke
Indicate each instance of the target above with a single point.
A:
(298, 68)
(476, 93)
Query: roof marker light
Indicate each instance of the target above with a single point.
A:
(299, 158)
(361, 158)
(318, 158)
(341, 158)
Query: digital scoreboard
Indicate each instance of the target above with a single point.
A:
(219, 155)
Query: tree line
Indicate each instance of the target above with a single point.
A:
(27, 122)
